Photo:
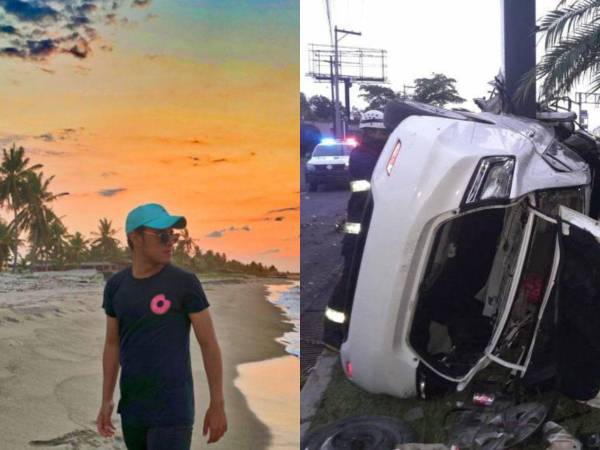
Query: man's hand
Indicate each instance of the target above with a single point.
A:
(104, 421)
(110, 370)
(215, 422)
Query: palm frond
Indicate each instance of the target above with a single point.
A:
(562, 21)
(570, 60)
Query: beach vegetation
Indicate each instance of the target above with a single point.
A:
(8, 240)
(15, 173)
(25, 192)
(105, 247)
(78, 248)
(45, 231)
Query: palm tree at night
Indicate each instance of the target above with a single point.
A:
(45, 229)
(572, 48)
(15, 172)
(105, 244)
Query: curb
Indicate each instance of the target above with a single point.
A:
(314, 388)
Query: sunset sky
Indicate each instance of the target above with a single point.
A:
(189, 103)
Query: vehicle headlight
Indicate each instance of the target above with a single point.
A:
(310, 167)
(492, 180)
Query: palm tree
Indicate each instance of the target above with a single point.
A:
(185, 244)
(105, 243)
(77, 249)
(8, 240)
(572, 44)
(36, 216)
(14, 176)
(182, 253)
(57, 245)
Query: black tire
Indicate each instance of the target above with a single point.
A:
(364, 432)
(313, 186)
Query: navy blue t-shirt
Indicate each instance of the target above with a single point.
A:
(154, 330)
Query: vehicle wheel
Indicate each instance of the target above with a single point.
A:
(312, 187)
(361, 432)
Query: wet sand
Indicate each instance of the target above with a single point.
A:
(51, 338)
(271, 388)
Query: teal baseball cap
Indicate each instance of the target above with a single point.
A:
(152, 215)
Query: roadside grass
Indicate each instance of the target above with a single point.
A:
(342, 399)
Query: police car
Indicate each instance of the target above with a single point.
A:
(329, 162)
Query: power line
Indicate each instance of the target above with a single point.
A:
(328, 10)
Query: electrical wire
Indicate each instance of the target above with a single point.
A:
(328, 10)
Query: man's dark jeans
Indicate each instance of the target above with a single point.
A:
(161, 438)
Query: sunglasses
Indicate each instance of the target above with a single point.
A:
(165, 237)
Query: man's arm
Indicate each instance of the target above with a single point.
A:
(215, 419)
(110, 368)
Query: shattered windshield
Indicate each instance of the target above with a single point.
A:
(465, 287)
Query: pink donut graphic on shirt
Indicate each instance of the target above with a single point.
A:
(159, 304)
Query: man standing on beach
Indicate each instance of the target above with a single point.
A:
(150, 307)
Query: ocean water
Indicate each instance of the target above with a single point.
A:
(287, 297)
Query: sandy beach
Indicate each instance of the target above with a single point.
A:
(51, 337)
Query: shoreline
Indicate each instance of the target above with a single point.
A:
(253, 349)
(277, 295)
(272, 386)
(51, 340)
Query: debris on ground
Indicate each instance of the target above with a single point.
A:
(559, 438)
(360, 432)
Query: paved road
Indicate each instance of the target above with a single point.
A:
(320, 262)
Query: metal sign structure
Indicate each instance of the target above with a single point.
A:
(581, 98)
(334, 63)
(586, 98)
(365, 65)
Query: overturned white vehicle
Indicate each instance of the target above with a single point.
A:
(479, 249)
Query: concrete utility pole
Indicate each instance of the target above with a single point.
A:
(333, 96)
(518, 56)
(336, 79)
(347, 86)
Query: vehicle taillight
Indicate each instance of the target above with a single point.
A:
(393, 156)
(349, 369)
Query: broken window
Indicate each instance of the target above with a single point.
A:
(466, 284)
(517, 335)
